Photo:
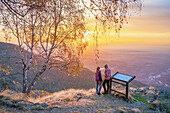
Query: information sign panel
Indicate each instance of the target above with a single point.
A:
(122, 79)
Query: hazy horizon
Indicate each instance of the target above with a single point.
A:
(149, 63)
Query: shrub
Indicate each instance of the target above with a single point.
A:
(164, 105)
(37, 108)
(140, 99)
(151, 108)
(107, 107)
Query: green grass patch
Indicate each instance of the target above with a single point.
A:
(7, 98)
(37, 108)
(107, 107)
(75, 112)
(88, 106)
(79, 106)
(164, 105)
(140, 99)
(151, 108)
(100, 111)
(94, 98)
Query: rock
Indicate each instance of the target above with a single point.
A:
(36, 104)
(25, 103)
(44, 105)
(150, 92)
(9, 103)
(135, 110)
(156, 91)
(16, 105)
(120, 111)
(167, 94)
(79, 96)
(138, 90)
(130, 90)
(161, 91)
(155, 104)
(151, 88)
(146, 89)
(22, 108)
(155, 97)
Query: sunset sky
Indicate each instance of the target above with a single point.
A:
(152, 27)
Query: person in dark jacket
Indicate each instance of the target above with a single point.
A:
(98, 80)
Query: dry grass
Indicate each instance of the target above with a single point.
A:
(14, 95)
(21, 96)
(62, 98)
(68, 98)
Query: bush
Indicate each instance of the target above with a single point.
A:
(151, 108)
(37, 108)
(164, 105)
(107, 107)
(140, 99)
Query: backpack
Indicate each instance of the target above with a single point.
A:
(97, 76)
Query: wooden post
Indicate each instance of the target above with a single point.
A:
(127, 89)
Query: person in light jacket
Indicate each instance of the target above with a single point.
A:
(107, 79)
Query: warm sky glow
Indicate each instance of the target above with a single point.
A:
(152, 27)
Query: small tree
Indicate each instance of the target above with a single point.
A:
(52, 31)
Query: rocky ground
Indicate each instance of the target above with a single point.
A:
(145, 99)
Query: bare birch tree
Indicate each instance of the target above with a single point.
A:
(52, 31)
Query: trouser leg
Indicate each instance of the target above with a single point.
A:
(100, 87)
(96, 87)
(107, 86)
(104, 87)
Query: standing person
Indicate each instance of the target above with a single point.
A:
(98, 80)
(107, 79)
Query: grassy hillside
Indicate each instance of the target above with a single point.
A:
(141, 100)
(51, 81)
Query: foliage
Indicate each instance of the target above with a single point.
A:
(113, 13)
(151, 108)
(94, 98)
(107, 107)
(140, 99)
(37, 108)
(164, 105)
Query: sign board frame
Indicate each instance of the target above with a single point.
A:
(123, 79)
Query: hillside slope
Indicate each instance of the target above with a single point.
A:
(146, 100)
(51, 81)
